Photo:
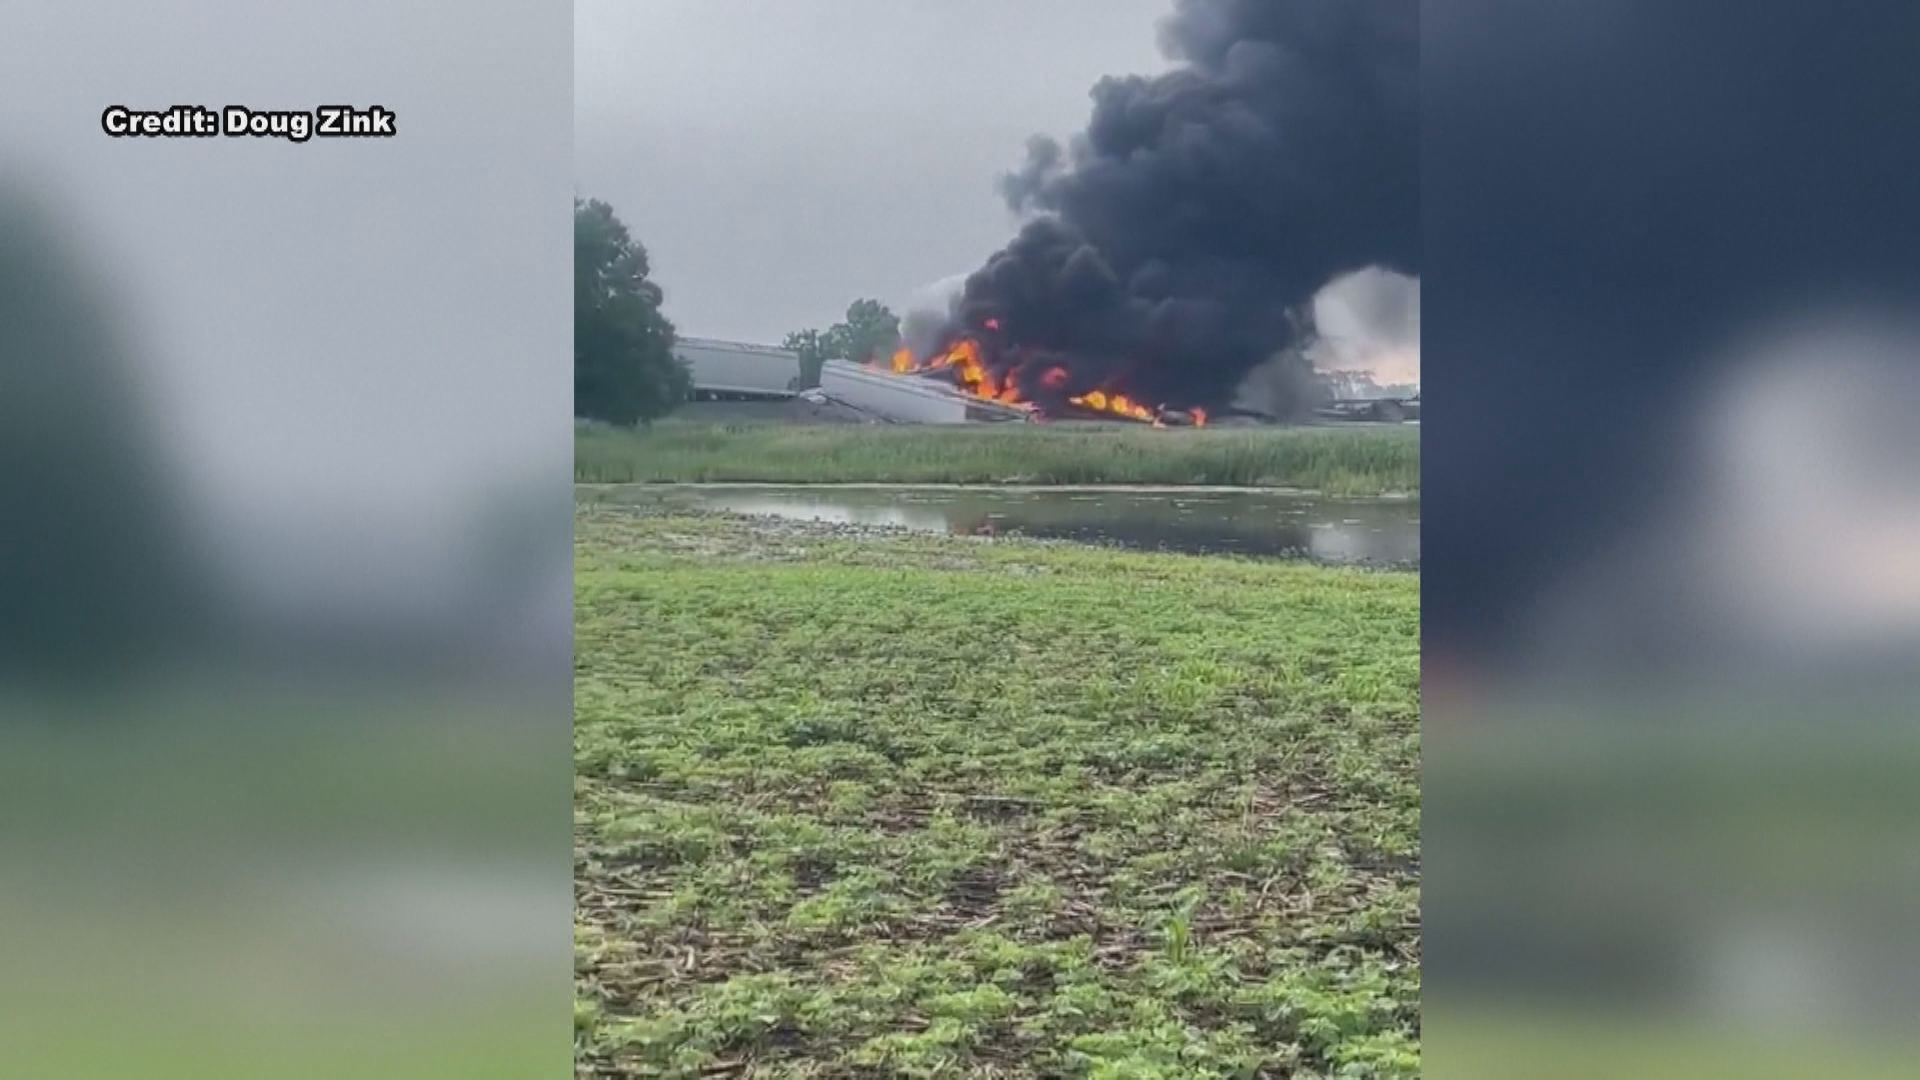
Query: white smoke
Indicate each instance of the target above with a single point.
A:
(925, 312)
(1369, 321)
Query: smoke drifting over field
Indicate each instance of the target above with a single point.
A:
(1173, 246)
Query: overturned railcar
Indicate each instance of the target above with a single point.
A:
(733, 370)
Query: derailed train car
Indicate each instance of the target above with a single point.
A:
(907, 399)
(731, 369)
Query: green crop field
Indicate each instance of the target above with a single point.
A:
(863, 805)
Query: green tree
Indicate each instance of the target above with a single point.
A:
(624, 370)
(814, 350)
(870, 331)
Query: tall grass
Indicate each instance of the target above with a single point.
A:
(1368, 461)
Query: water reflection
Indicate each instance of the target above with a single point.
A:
(1253, 523)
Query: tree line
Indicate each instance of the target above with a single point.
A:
(625, 371)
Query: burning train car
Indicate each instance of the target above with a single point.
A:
(1042, 386)
(1165, 252)
(894, 399)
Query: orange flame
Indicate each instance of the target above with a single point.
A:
(1117, 404)
(972, 376)
(970, 372)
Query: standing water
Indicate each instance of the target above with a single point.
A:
(1237, 521)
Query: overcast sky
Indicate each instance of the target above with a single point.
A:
(781, 158)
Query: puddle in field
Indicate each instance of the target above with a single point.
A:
(1269, 524)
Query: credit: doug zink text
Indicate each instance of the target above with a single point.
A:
(235, 121)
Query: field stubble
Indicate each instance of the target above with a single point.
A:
(853, 803)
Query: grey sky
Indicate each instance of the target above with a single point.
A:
(780, 158)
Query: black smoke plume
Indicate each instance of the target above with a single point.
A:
(1611, 187)
(1173, 245)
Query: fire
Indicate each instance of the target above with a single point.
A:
(966, 364)
(969, 369)
(1117, 404)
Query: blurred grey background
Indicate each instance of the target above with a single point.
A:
(1671, 605)
(285, 602)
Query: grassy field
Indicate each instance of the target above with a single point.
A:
(1342, 461)
(852, 805)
